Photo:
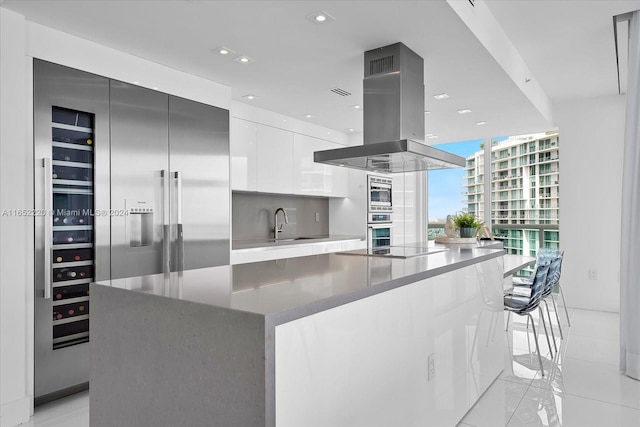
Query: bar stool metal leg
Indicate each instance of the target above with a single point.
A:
(564, 303)
(544, 324)
(555, 308)
(553, 336)
(535, 336)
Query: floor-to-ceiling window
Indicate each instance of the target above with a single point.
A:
(451, 191)
(523, 188)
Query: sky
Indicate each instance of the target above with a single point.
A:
(445, 186)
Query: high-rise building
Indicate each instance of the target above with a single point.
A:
(525, 191)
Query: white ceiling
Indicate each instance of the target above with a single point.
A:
(568, 45)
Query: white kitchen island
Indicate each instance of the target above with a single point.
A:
(325, 340)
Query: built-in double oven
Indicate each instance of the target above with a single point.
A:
(379, 211)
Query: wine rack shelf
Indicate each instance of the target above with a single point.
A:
(73, 251)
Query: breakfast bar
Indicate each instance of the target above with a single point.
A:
(324, 340)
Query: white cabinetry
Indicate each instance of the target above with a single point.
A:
(272, 160)
(339, 177)
(316, 179)
(312, 178)
(243, 155)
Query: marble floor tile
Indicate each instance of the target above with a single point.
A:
(487, 411)
(544, 407)
(592, 380)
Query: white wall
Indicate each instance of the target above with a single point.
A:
(16, 232)
(591, 150)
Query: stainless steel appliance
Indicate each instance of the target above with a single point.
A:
(128, 181)
(378, 235)
(393, 118)
(380, 208)
(380, 195)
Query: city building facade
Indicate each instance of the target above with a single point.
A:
(525, 191)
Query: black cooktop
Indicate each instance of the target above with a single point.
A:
(395, 251)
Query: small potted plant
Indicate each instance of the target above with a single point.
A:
(466, 223)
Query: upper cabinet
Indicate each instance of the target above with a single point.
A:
(316, 179)
(243, 155)
(312, 178)
(272, 160)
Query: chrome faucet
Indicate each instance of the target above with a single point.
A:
(277, 229)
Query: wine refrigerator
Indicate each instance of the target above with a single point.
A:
(128, 182)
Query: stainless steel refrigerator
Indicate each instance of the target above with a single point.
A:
(128, 181)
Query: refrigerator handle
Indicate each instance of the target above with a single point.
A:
(178, 177)
(166, 228)
(48, 226)
(180, 237)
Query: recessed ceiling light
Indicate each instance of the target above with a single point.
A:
(308, 116)
(464, 111)
(244, 59)
(429, 135)
(441, 96)
(350, 130)
(136, 83)
(481, 123)
(321, 17)
(357, 107)
(224, 51)
(433, 137)
(155, 88)
(250, 97)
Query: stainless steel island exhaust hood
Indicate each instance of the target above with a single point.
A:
(393, 118)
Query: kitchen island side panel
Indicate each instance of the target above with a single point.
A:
(417, 355)
(157, 361)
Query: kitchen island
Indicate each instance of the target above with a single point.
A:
(323, 340)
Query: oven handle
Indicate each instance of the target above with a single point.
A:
(387, 225)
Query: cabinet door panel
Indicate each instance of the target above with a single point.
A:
(243, 155)
(311, 179)
(274, 160)
(338, 185)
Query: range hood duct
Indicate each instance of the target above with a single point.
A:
(393, 118)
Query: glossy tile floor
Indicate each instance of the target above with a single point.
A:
(581, 387)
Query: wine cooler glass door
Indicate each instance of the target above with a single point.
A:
(70, 126)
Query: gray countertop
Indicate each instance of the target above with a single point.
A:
(287, 289)
(287, 241)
